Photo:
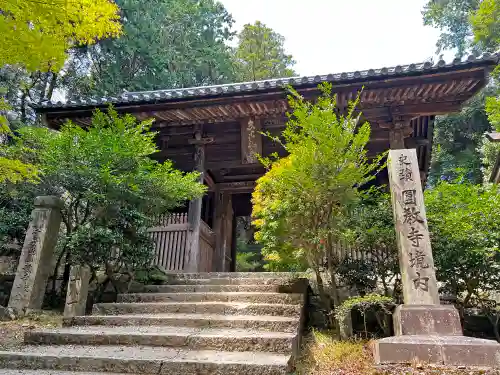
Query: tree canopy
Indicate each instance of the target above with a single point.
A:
(467, 26)
(261, 54)
(452, 17)
(37, 34)
(166, 44)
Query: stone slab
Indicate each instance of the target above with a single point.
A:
(204, 288)
(224, 308)
(253, 297)
(193, 338)
(268, 323)
(144, 360)
(234, 281)
(441, 350)
(78, 290)
(427, 320)
(252, 275)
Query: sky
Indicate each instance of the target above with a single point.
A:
(334, 36)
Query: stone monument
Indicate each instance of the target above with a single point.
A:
(35, 263)
(78, 290)
(425, 330)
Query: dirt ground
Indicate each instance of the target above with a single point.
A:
(12, 332)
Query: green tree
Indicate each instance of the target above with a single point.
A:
(457, 141)
(37, 34)
(369, 226)
(166, 44)
(486, 24)
(261, 54)
(464, 223)
(35, 37)
(458, 138)
(299, 203)
(486, 27)
(452, 17)
(110, 185)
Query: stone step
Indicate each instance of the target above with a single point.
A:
(225, 308)
(254, 297)
(229, 281)
(268, 323)
(236, 275)
(144, 360)
(205, 288)
(229, 339)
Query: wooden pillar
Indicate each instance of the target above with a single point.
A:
(194, 213)
(223, 228)
(399, 130)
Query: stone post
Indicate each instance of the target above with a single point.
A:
(35, 262)
(425, 330)
(78, 290)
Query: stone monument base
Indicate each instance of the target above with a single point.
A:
(441, 350)
(427, 320)
(433, 334)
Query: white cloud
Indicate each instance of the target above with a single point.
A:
(331, 36)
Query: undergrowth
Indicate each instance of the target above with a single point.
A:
(323, 355)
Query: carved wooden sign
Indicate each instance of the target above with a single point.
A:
(251, 140)
(415, 253)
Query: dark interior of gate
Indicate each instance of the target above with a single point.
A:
(225, 122)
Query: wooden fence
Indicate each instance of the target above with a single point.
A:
(171, 237)
(344, 250)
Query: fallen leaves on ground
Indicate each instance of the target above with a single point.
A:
(12, 332)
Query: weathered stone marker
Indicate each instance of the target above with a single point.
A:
(412, 234)
(36, 257)
(78, 290)
(425, 330)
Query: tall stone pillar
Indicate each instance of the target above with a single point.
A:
(425, 330)
(35, 262)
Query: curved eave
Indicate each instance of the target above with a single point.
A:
(269, 87)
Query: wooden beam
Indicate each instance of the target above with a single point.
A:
(234, 164)
(245, 177)
(201, 141)
(239, 187)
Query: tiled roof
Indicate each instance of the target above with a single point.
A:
(249, 87)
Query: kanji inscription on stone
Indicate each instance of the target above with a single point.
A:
(415, 254)
(35, 262)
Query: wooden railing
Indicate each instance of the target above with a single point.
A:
(171, 236)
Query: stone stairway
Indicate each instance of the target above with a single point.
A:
(212, 323)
